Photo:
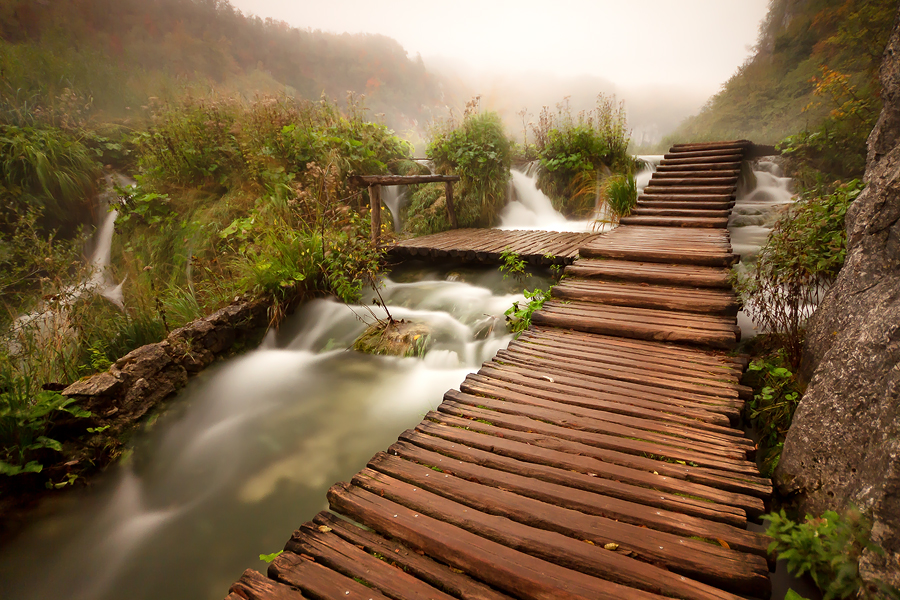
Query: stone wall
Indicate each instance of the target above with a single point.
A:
(142, 378)
(844, 444)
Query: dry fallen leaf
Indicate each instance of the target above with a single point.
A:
(548, 378)
(611, 546)
(589, 542)
(723, 543)
(324, 528)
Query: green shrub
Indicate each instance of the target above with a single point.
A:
(801, 257)
(477, 150)
(26, 413)
(574, 152)
(771, 411)
(827, 549)
(427, 209)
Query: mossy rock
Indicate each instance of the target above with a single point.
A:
(395, 338)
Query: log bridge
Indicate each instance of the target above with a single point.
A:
(596, 457)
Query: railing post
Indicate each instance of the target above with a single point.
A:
(451, 212)
(375, 209)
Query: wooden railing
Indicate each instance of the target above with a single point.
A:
(374, 182)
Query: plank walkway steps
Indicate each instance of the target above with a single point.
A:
(595, 457)
(486, 245)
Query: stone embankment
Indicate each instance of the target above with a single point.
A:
(145, 376)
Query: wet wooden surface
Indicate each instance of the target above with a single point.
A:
(595, 457)
(486, 245)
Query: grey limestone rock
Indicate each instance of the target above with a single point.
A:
(843, 447)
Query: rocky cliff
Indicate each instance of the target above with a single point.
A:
(844, 445)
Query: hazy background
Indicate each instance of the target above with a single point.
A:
(665, 59)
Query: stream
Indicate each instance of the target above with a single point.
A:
(246, 453)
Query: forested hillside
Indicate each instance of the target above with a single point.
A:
(110, 56)
(814, 59)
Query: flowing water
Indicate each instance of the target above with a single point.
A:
(51, 320)
(246, 453)
(755, 212)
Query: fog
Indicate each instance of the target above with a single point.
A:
(663, 58)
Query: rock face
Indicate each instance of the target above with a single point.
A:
(844, 445)
(149, 374)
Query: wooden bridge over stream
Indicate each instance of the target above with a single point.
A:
(597, 457)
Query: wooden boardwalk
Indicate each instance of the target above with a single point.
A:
(593, 458)
(486, 245)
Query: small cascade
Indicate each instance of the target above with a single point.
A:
(529, 208)
(642, 177)
(395, 198)
(48, 320)
(752, 218)
(756, 211)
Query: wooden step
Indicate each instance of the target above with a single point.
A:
(680, 196)
(654, 273)
(703, 161)
(685, 204)
(642, 210)
(714, 179)
(691, 146)
(638, 323)
(675, 174)
(649, 296)
(653, 188)
(701, 153)
(712, 222)
(691, 166)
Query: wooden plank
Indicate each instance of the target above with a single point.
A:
(654, 188)
(480, 385)
(656, 273)
(318, 581)
(331, 551)
(574, 480)
(610, 324)
(675, 221)
(514, 572)
(701, 160)
(523, 417)
(440, 576)
(549, 546)
(401, 179)
(443, 495)
(612, 390)
(630, 513)
(561, 389)
(712, 166)
(256, 586)
(596, 462)
(655, 357)
(648, 296)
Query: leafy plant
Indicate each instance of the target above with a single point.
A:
(512, 265)
(25, 417)
(619, 196)
(574, 152)
(772, 408)
(800, 259)
(828, 549)
(518, 316)
(477, 150)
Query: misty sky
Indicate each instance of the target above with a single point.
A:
(697, 43)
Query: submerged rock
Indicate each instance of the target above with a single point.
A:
(843, 447)
(395, 338)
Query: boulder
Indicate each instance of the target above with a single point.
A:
(395, 338)
(843, 447)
